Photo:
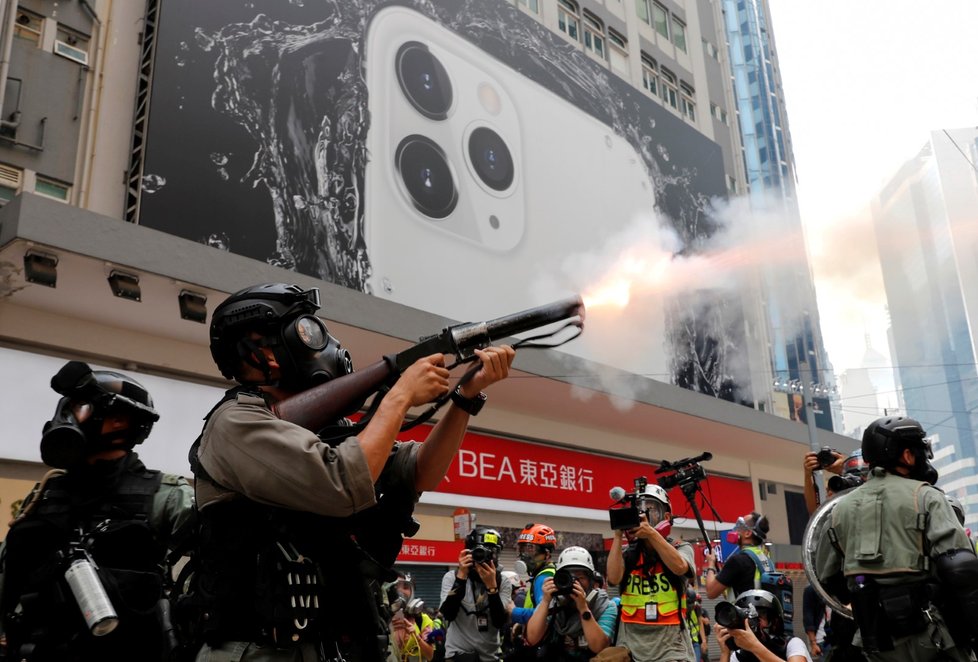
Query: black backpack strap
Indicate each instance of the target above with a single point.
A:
(192, 456)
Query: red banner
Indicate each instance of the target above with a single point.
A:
(429, 551)
(495, 467)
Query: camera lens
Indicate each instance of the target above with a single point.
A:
(424, 80)
(427, 176)
(563, 582)
(491, 158)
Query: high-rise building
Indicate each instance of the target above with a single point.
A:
(797, 349)
(924, 220)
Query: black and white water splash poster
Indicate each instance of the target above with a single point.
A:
(454, 156)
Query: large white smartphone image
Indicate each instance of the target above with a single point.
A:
(479, 181)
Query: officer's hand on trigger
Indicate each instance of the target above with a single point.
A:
(496, 362)
(424, 381)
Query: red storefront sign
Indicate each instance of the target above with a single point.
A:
(429, 551)
(495, 467)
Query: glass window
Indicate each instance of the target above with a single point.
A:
(7, 194)
(660, 19)
(687, 104)
(616, 39)
(51, 189)
(568, 20)
(670, 92)
(28, 26)
(642, 9)
(593, 34)
(679, 34)
(532, 5)
(650, 75)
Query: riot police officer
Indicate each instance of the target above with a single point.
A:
(894, 547)
(99, 517)
(297, 534)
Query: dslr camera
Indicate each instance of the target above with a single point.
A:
(731, 616)
(563, 582)
(826, 457)
(483, 554)
(844, 482)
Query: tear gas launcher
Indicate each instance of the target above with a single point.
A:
(326, 403)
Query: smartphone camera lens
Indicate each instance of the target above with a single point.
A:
(491, 158)
(424, 80)
(427, 176)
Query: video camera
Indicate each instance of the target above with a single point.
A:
(686, 473)
(624, 514)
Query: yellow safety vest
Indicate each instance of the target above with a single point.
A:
(651, 599)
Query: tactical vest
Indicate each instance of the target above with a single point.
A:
(652, 595)
(874, 541)
(40, 614)
(282, 577)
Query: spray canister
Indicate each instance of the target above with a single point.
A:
(91, 597)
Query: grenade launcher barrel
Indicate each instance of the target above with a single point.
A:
(326, 403)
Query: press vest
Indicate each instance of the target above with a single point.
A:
(694, 626)
(873, 539)
(548, 571)
(644, 586)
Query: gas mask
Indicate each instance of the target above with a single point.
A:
(91, 396)
(529, 553)
(308, 354)
(922, 468)
(733, 535)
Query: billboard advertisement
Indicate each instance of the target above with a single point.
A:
(446, 155)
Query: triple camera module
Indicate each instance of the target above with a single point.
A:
(427, 173)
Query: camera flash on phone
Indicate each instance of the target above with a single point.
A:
(489, 98)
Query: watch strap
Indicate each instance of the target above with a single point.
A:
(471, 406)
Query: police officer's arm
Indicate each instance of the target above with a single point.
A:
(670, 556)
(173, 516)
(442, 444)
(424, 381)
(616, 562)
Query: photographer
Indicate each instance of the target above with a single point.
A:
(826, 459)
(476, 603)
(411, 628)
(754, 631)
(574, 620)
(652, 573)
(740, 572)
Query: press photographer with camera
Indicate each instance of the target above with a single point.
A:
(828, 460)
(575, 620)
(476, 604)
(411, 627)
(652, 572)
(753, 630)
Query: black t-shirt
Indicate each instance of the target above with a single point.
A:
(738, 573)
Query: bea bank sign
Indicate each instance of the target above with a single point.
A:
(500, 468)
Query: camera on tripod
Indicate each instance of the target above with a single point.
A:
(686, 473)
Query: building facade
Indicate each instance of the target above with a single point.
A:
(923, 219)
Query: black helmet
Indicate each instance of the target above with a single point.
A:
(65, 441)
(886, 438)
(485, 537)
(759, 599)
(284, 315)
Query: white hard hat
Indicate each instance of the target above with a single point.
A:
(659, 494)
(576, 557)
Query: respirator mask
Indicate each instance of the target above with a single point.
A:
(308, 354)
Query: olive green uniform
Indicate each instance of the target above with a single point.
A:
(889, 530)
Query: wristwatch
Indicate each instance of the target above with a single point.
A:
(586, 616)
(471, 406)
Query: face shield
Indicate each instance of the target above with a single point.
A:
(654, 510)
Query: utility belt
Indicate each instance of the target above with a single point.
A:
(885, 612)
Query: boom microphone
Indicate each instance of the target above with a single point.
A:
(617, 493)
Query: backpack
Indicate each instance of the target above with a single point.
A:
(777, 583)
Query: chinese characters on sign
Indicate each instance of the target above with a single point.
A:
(489, 466)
